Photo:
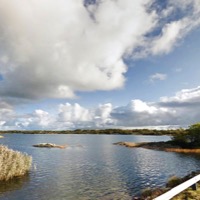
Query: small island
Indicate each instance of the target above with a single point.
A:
(50, 145)
(185, 142)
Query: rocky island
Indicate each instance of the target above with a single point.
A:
(50, 145)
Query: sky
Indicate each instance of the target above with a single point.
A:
(99, 64)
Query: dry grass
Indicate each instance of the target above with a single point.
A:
(162, 146)
(13, 163)
(179, 150)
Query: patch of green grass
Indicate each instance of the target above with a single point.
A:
(13, 163)
(189, 194)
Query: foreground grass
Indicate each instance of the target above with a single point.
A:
(189, 194)
(13, 163)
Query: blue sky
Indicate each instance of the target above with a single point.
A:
(106, 64)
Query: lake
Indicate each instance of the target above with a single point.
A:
(92, 167)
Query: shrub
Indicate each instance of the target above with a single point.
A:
(13, 163)
(147, 192)
(180, 139)
(189, 138)
(194, 135)
(173, 182)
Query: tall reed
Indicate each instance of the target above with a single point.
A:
(13, 163)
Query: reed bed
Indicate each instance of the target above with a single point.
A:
(180, 150)
(13, 163)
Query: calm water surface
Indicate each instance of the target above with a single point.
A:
(92, 168)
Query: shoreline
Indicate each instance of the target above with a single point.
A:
(160, 146)
(173, 181)
(97, 131)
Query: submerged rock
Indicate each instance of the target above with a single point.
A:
(1, 136)
(50, 145)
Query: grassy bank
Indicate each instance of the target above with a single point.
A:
(13, 163)
(189, 194)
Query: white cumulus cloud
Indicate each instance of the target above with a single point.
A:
(54, 48)
(179, 110)
(74, 113)
(184, 96)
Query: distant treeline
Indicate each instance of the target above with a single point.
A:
(102, 131)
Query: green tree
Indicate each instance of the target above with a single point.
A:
(193, 135)
(188, 138)
(180, 137)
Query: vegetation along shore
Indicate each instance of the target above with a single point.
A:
(185, 142)
(189, 194)
(100, 131)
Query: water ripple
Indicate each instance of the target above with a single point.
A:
(96, 169)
